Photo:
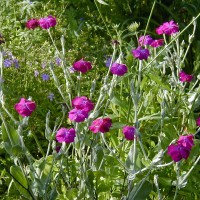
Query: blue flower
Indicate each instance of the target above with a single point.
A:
(7, 63)
(45, 77)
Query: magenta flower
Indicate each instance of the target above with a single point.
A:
(82, 66)
(141, 53)
(168, 28)
(32, 23)
(78, 115)
(101, 125)
(129, 132)
(198, 121)
(157, 43)
(118, 69)
(145, 40)
(47, 22)
(186, 141)
(82, 103)
(183, 77)
(177, 152)
(25, 107)
(65, 135)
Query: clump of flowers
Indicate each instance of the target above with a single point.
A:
(141, 53)
(25, 107)
(81, 108)
(65, 135)
(118, 69)
(47, 22)
(129, 132)
(32, 23)
(82, 66)
(183, 77)
(182, 148)
(168, 28)
(101, 125)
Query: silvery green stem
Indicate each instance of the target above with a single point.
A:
(177, 180)
(157, 186)
(48, 30)
(188, 173)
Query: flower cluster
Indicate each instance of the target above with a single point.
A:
(182, 148)
(183, 77)
(82, 66)
(168, 28)
(44, 23)
(81, 108)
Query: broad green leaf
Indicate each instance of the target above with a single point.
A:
(102, 2)
(18, 176)
(20, 181)
(10, 137)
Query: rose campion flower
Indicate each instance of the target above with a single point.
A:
(32, 23)
(198, 121)
(25, 107)
(177, 152)
(78, 115)
(129, 132)
(65, 135)
(186, 141)
(47, 22)
(183, 77)
(82, 66)
(82, 103)
(101, 125)
(145, 40)
(168, 28)
(118, 69)
(141, 53)
(157, 43)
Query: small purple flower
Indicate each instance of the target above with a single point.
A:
(36, 73)
(65, 135)
(47, 22)
(183, 77)
(186, 141)
(129, 132)
(145, 40)
(82, 66)
(168, 28)
(118, 69)
(141, 53)
(101, 125)
(78, 115)
(198, 121)
(51, 96)
(16, 63)
(7, 63)
(108, 61)
(58, 61)
(157, 43)
(177, 152)
(45, 77)
(71, 70)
